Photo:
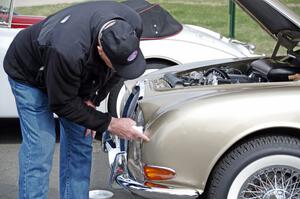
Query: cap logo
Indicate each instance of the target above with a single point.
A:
(132, 56)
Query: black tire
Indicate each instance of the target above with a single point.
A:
(258, 157)
(114, 93)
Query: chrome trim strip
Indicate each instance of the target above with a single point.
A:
(120, 178)
(11, 12)
(141, 84)
(22, 24)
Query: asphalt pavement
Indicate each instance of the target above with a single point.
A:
(9, 145)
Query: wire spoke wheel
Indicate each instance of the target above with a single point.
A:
(270, 177)
(262, 167)
(272, 183)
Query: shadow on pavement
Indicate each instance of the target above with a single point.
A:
(10, 131)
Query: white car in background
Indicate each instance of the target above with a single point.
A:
(165, 42)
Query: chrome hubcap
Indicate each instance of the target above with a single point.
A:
(272, 183)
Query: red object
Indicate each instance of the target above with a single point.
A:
(24, 21)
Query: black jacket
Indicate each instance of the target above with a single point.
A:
(59, 55)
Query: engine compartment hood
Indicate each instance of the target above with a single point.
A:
(273, 16)
(195, 83)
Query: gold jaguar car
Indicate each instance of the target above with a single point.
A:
(219, 129)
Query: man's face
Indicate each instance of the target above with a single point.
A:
(104, 57)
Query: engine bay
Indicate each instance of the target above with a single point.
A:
(250, 71)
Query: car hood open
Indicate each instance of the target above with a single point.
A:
(277, 19)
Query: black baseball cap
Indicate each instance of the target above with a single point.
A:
(121, 45)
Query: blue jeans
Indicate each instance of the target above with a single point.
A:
(37, 148)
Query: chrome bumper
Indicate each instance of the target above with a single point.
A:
(120, 178)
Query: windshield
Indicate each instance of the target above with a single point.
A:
(6, 10)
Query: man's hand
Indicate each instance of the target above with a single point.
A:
(122, 127)
(89, 131)
(294, 77)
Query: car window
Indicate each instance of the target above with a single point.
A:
(6, 10)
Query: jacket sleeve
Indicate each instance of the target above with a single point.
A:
(63, 82)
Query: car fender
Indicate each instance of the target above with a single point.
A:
(185, 144)
(7, 106)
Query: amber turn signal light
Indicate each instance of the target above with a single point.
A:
(158, 173)
(153, 185)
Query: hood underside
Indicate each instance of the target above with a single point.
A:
(277, 19)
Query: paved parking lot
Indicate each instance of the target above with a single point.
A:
(9, 144)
